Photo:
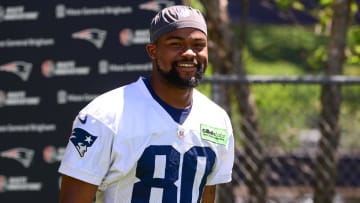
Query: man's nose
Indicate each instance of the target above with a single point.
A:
(189, 53)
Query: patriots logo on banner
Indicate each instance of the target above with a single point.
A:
(93, 35)
(82, 140)
(20, 154)
(19, 68)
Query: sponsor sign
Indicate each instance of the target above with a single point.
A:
(17, 13)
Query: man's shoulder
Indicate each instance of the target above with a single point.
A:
(119, 92)
(115, 98)
(204, 100)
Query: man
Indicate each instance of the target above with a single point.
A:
(157, 139)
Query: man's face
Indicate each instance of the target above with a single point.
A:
(181, 57)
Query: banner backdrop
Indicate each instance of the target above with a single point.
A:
(55, 56)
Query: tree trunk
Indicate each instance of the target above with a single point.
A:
(219, 36)
(226, 59)
(326, 162)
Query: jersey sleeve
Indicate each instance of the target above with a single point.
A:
(225, 160)
(87, 155)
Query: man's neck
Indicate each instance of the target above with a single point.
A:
(173, 96)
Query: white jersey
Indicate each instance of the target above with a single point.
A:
(128, 145)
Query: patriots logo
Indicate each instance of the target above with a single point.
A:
(19, 68)
(82, 140)
(20, 154)
(93, 35)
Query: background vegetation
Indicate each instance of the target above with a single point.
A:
(287, 110)
(295, 51)
(269, 117)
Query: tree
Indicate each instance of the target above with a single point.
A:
(325, 174)
(226, 59)
(339, 21)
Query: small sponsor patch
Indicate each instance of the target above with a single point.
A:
(216, 135)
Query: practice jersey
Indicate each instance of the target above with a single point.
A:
(127, 144)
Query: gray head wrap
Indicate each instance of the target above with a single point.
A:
(175, 17)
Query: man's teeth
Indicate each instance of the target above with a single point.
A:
(186, 65)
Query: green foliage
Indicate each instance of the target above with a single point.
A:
(197, 4)
(298, 45)
(317, 59)
(326, 2)
(288, 4)
(324, 13)
(286, 110)
(295, 44)
(354, 45)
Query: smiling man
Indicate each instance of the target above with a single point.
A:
(157, 139)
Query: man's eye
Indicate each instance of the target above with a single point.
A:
(199, 46)
(175, 44)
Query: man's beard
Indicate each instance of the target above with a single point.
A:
(173, 76)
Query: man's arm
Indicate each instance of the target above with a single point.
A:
(76, 191)
(209, 194)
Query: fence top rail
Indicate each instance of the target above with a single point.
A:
(334, 79)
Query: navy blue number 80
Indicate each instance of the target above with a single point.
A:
(146, 167)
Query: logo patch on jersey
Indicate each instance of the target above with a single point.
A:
(181, 132)
(216, 135)
(82, 140)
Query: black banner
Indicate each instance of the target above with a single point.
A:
(55, 56)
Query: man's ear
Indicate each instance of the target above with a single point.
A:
(151, 50)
